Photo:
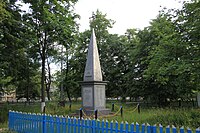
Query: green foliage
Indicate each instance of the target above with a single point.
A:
(164, 57)
(17, 67)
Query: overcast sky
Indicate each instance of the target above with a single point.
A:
(126, 13)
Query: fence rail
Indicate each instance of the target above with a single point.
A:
(42, 123)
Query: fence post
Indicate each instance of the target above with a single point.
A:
(95, 114)
(113, 106)
(138, 108)
(121, 110)
(81, 113)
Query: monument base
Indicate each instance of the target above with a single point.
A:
(100, 112)
(90, 112)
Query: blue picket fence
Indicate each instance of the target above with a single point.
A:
(42, 123)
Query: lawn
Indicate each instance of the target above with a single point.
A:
(178, 117)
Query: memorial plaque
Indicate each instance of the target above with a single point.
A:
(87, 96)
(99, 95)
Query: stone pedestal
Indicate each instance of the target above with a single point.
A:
(93, 97)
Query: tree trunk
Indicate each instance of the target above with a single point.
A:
(43, 84)
(67, 71)
(68, 95)
(43, 57)
(123, 99)
(28, 82)
(48, 81)
(48, 95)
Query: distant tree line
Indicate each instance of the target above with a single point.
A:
(159, 63)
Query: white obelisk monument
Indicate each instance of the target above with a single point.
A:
(93, 87)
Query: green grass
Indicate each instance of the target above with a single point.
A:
(177, 117)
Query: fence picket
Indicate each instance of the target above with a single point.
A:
(93, 126)
(127, 127)
(132, 128)
(189, 130)
(98, 126)
(82, 125)
(121, 127)
(116, 127)
(154, 129)
(64, 124)
(182, 130)
(111, 127)
(88, 126)
(102, 126)
(68, 124)
(106, 126)
(148, 128)
(168, 129)
(198, 130)
(20, 122)
(137, 128)
(51, 124)
(31, 122)
(85, 125)
(173, 129)
(161, 128)
(143, 128)
(79, 125)
(74, 121)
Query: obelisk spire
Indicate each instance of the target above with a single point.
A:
(93, 68)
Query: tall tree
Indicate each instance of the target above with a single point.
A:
(52, 23)
(16, 67)
(187, 21)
